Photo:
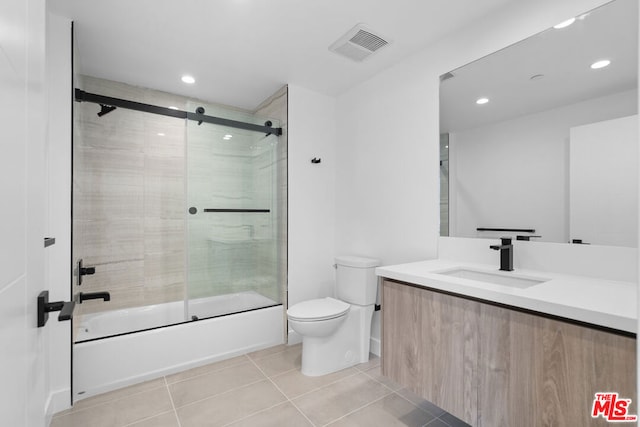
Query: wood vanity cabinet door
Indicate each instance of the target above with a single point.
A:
(493, 366)
(536, 371)
(510, 369)
(430, 345)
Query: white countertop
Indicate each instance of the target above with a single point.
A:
(600, 302)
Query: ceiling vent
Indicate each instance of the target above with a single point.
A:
(359, 43)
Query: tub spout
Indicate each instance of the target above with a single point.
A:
(83, 296)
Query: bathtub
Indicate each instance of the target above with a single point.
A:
(116, 322)
(122, 358)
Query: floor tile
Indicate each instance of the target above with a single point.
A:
(232, 406)
(284, 415)
(168, 419)
(114, 395)
(421, 403)
(437, 423)
(372, 363)
(391, 410)
(453, 421)
(286, 360)
(340, 398)
(293, 383)
(376, 374)
(118, 413)
(205, 369)
(213, 383)
(271, 351)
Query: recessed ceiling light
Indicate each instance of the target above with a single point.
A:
(564, 24)
(481, 101)
(228, 136)
(160, 134)
(171, 107)
(188, 79)
(600, 64)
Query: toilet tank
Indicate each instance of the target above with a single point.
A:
(356, 282)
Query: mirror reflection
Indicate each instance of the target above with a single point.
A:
(539, 140)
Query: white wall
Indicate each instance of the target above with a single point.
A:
(59, 204)
(24, 352)
(312, 204)
(387, 195)
(515, 173)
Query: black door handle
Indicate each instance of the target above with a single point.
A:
(45, 307)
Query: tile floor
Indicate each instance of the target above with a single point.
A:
(264, 388)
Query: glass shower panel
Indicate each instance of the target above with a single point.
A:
(128, 214)
(232, 221)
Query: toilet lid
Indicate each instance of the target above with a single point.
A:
(318, 309)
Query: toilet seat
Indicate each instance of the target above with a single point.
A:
(318, 309)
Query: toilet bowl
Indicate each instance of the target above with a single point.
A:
(336, 331)
(318, 317)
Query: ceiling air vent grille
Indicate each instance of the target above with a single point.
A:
(359, 43)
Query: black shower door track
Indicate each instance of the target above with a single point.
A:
(82, 96)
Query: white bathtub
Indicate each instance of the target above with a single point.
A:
(106, 364)
(115, 322)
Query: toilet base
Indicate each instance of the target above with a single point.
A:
(348, 346)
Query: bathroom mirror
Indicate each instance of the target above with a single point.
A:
(539, 139)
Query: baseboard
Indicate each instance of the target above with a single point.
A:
(375, 347)
(58, 400)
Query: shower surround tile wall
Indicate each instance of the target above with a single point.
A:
(130, 204)
(128, 215)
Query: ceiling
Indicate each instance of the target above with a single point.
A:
(562, 56)
(242, 51)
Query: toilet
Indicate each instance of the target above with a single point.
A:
(336, 331)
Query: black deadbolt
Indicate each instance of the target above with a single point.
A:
(193, 210)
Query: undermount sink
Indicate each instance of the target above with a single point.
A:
(496, 278)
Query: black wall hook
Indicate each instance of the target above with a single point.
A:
(316, 160)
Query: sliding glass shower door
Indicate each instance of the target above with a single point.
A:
(232, 219)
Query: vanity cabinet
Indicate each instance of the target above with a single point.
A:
(491, 365)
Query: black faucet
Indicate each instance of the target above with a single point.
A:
(83, 296)
(506, 253)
